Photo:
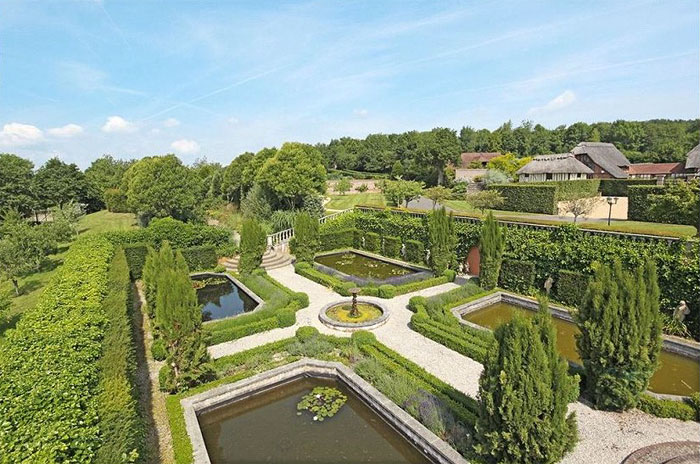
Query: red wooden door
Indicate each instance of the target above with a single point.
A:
(473, 260)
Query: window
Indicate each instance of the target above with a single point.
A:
(549, 176)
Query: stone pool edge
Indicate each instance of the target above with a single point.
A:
(412, 430)
(350, 326)
(260, 302)
(421, 272)
(672, 344)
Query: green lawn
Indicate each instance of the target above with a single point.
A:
(32, 285)
(636, 227)
(340, 202)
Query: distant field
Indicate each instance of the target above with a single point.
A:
(32, 285)
(350, 200)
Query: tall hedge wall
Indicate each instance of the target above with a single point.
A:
(637, 206)
(572, 189)
(567, 248)
(179, 234)
(618, 187)
(530, 198)
(51, 374)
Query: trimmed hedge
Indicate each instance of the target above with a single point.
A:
(518, 276)
(667, 408)
(570, 287)
(120, 424)
(619, 187)
(50, 364)
(336, 239)
(573, 189)
(392, 247)
(415, 251)
(638, 206)
(200, 258)
(135, 258)
(373, 242)
(278, 310)
(179, 234)
(528, 197)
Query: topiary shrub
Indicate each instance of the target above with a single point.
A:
(415, 251)
(363, 337)
(386, 291)
(620, 336)
(442, 240)
(525, 386)
(518, 276)
(253, 243)
(306, 333)
(450, 275)
(301, 298)
(200, 258)
(392, 247)
(287, 317)
(373, 242)
(491, 245)
(306, 241)
(570, 287)
(158, 350)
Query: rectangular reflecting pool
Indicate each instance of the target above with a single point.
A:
(677, 374)
(267, 428)
(359, 265)
(220, 297)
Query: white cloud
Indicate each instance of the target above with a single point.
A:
(17, 134)
(561, 101)
(361, 113)
(185, 147)
(118, 124)
(171, 122)
(69, 130)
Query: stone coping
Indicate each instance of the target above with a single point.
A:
(668, 452)
(675, 345)
(434, 448)
(421, 273)
(260, 302)
(350, 326)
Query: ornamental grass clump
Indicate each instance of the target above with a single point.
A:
(322, 402)
(620, 336)
(491, 245)
(524, 392)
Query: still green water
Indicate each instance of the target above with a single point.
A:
(362, 266)
(677, 375)
(267, 428)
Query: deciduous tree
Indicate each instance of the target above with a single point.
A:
(342, 186)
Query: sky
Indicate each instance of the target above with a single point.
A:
(79, 79)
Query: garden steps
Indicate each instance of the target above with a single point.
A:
(272, 259)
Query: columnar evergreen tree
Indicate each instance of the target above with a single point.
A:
(442, 240)
(306, 241)
(524, 391)
(149, 274)
(253, 243)
(620, 335)
(179, 322)
(491, 245)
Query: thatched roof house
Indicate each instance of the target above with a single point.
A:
(604, 159)
(481, 158)
(692, 160)
(563, 166)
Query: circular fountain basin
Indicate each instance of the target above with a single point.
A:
(335, 315)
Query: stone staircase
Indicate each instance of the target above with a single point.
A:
(272, 259)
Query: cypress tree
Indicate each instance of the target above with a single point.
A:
(620, 336)
(524, 391)
(491, 245)
(307, 240)
(442, 239)
(253, 243)
(151, 268)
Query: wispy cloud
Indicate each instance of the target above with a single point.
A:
(67, 131)
(561, 101)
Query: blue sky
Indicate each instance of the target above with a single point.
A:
(79, 79)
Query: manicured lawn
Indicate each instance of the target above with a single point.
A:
(103, 221)
(636, 227)
(32, 285)
(340, 202)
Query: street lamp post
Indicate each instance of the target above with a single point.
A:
(611, 202)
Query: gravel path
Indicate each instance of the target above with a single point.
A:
(605, 437)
